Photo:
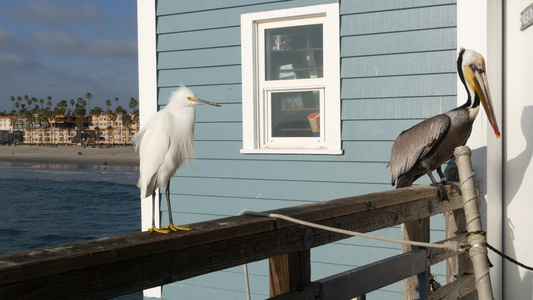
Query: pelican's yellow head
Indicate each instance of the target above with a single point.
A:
(472, 66)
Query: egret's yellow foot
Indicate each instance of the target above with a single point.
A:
(176, 228)
(155, 229)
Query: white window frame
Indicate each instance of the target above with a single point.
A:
(255, 89)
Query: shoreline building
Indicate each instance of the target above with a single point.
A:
(12, 129)
(60, 129)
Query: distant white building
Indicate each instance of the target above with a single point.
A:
(99, 129)
(11, 123)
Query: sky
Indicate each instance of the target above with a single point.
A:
(68, 48)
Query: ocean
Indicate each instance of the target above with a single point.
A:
(45, 205)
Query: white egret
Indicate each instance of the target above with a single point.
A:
(163, 144)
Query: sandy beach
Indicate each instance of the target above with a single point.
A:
(70, 154)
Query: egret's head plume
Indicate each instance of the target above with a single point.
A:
(185, 97)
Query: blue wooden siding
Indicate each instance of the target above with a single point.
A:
(397, 68)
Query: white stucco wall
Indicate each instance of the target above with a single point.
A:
(518, 150)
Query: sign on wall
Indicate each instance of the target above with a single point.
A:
(526, 17)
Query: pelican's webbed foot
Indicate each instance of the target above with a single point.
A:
(444, 181)
(443, 192)
(454, 186)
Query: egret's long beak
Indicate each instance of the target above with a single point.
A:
(482, 85)
(201, 101)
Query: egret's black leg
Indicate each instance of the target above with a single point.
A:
(167, 195)
(443, 193)
(444, 181)
(153, 228)
(171, 225)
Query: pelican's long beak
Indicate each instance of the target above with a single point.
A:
(482, 85)
(201, 101)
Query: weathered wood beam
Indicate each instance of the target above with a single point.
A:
(460, 264)
(120, 265)
(456, 289)
(416, 286)
(359, 281)
(310, 292)
(289, 272)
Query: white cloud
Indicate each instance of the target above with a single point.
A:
(44, 11)
(8, 41)
(67, 43)
(14, 54)
(5, 37)
(11, 61)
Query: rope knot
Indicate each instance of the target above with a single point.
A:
(452, 246)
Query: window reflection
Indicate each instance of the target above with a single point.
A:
(295, 114)
(294, 52)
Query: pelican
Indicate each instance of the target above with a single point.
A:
(426, 146)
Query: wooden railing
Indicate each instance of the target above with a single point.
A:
(124, 264)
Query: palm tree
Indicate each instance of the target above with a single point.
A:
(126, 120)
(72, 102)
(13, 100)
(44, 118)
(97, 134)
(80, 113)
(41, 101)
(108, 105)
(88, 97)
(120, 112)
(19, 101)
(110, 133)
(116, 103)
(61, 107)
(28, 114)
(133, 104)
(113, 119)
(135, 112)
(97, 110)
(81, 102)
(29, 101)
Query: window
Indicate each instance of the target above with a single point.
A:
(291, 81)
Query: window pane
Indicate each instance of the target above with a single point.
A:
(294, 52)
(295, 114)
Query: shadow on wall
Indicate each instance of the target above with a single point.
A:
(512, 183)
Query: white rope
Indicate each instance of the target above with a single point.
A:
(447, 245)
(247, 282)
(467, 178)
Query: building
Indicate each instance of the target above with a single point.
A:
(12, 128)
(118, 129)
(60, 129)
(370, 69)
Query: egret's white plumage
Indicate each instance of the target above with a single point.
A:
(165, 142)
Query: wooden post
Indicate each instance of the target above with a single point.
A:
(478, 251)
(289, 272)
(415, 286)
(459, 265)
